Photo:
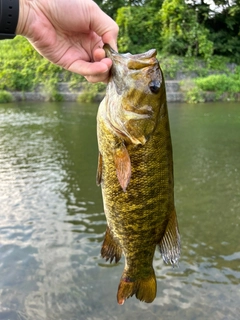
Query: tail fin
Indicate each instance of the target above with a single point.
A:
(144, 289)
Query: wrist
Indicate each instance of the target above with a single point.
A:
(22, 18)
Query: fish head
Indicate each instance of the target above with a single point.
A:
(135, 93)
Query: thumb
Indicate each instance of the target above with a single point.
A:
(109, 38)
(104, 26)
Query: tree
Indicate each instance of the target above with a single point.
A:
(139, 29)
(182, 27)
(221, 18)
(155, 4)
(181, 33)
(224, 30)
(111, 6)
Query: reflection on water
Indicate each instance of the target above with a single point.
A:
(52, 221)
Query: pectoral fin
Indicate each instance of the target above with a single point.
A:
(170, 243)
(123, 166)
(99, 169)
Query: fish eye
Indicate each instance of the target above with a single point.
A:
(154, 86)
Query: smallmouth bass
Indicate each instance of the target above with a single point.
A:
(135, 171)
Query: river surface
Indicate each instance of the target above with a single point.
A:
(52, 222)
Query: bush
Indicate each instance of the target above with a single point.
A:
(5, 97)
(220, 83)
(22, 68)
(194, 95)
(213, 87)
(91, 92)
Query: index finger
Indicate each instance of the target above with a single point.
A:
(87, 69)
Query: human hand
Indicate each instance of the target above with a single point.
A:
(70, 34)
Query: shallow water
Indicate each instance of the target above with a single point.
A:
(52, 221)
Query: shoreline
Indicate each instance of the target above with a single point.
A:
(63, 92)
(63, 89)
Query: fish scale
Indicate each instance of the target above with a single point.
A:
(135, 171)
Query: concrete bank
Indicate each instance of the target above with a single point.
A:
(172, 87)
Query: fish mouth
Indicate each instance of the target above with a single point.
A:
(112, 54)
(109, 50)
(133, 61)
(127, 63)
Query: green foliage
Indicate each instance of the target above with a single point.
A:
(224, 30)
(192, 93)
(46, 71)
(169, 65)
(195, 95)
(76, 82)
(155, 4)
(186, 28)
(5, 96)
(181, 33)
(124, 21)
(139, 29)
(220, 83)
(56, 96)
(192, 67)
(110, 6)
(50, 90)
(17, 61)
(92, 92)
(23, 69)
(212, 87)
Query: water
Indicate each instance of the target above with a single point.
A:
(52, 221)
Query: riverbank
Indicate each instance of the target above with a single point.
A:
(176, 90)
(66, 93)
(25, 75)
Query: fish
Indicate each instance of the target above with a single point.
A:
(135, 171)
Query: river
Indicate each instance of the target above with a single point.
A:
(52, 221)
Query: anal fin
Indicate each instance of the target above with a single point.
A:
(170, 243)
(110, 249)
